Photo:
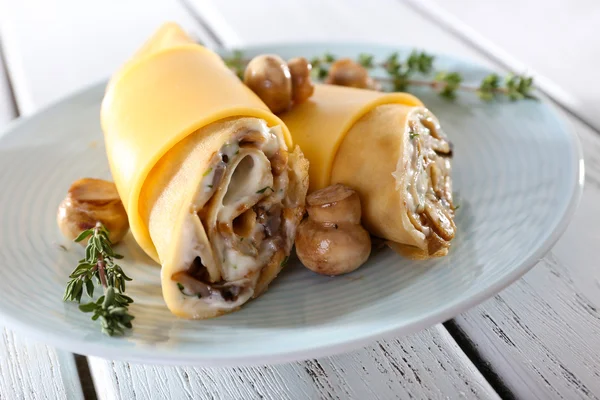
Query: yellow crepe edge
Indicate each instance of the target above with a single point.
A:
(143, 238)
(389, 98)
(159, 45)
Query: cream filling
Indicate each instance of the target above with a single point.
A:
(414, 173)
(239, 216)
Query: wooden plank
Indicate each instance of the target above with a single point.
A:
(555, 40)
(542, 334)
(62, 47)
(31, 370)
(66, 45)
(427, 365)
(387, 21)
(7, 109)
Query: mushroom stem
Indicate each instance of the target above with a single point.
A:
(331, 240)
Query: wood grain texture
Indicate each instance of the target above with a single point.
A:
(555, 40)
(7, 109)
(55, 48)
(30, 370)
(542, 334)
(327, 21)
(427, 365)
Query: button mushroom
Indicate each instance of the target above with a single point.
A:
(89, 201)
(269, 77)
(347, 72)
(331, 240)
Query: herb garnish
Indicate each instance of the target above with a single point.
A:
(401, 75)
(284, 262)
(98, 265)
(182, 290)
(208, 171)
(261, 191)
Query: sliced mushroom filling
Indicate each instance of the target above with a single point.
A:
(428, 180)
(240, 206)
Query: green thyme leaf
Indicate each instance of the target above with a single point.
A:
(328, 58)
(84, 235)
(89, 288)
(261, 191)
(89, 307)
(450, 83)
(99, 265)
(366, 60)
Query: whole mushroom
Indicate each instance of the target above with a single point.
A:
(269, 77)
(331, 241)
(89, 201)
(347, 72)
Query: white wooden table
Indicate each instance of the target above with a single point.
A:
(540, 338)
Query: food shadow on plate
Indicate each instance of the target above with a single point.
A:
(299, 297)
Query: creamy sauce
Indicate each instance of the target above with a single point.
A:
(243, 197)
(424, 140)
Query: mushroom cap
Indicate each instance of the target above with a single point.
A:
(269, 77)
(89, 201)
(332, 249)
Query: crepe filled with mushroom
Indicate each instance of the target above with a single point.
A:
(212, 185)
(392, 151)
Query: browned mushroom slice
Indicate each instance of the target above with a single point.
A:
(429, 185)
(269, 77)
(89, 201)
(241, 221)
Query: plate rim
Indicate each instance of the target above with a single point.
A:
(104, 350)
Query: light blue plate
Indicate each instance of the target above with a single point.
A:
(518, 173)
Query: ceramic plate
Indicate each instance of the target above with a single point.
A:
(518, 173)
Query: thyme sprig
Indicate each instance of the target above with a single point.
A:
(99, 267)
(401, 75)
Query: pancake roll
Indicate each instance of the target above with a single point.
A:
(213, 186)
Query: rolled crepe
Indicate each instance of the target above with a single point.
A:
(203, 169)
(389, 148)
